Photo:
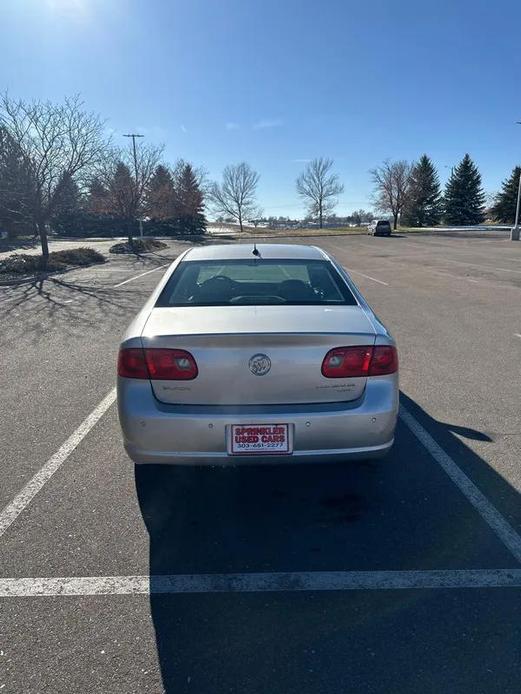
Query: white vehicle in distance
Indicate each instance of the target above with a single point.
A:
(262, 354)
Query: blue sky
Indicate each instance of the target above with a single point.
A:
(277, 82)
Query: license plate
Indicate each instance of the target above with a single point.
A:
(259, 439)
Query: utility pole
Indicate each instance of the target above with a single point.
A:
(514, 232)
(133, 136)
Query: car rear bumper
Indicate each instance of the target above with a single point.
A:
(196, 435)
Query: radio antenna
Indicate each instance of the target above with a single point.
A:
(255, 251)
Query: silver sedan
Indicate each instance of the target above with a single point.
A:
(262, 354)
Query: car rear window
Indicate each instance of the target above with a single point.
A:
(255, 282)
(383, 224)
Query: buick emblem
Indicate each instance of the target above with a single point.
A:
(260, 364)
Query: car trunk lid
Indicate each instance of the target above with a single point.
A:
(258, 355)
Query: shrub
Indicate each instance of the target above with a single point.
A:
(24, 264)
(84, 224)
(89, 224)
(188, 225)
(78, 256)
(139, 246)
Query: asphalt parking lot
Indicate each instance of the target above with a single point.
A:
(400, 575)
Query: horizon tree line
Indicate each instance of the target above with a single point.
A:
(412, 194)
(59, 169)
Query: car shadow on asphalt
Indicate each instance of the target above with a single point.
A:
(398, 513)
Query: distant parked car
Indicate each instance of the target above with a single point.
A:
(380, 227)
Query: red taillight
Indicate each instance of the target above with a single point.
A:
(131, 363)
(384, 360)
(351, 362)
(170, 364)
(346, 362)
(159, 364)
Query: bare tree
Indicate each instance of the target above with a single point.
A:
(256, 216)
(235, 196)
(127, 180)
(361, 215)
(319, 188)
(56, 142)
(391, 186)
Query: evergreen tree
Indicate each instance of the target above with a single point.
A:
(160, 194)
(423, 206)
(121, 189)
(97, 201)
(17, 188)
(66, 205)
(504, 207)
(123, 197)
(67, 196)
(464, 197)
(189, 201)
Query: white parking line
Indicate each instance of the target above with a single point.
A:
(131, 279)
(259, 582)
(355, 272)
(483, 506)
(11, 512)
(517, 334)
